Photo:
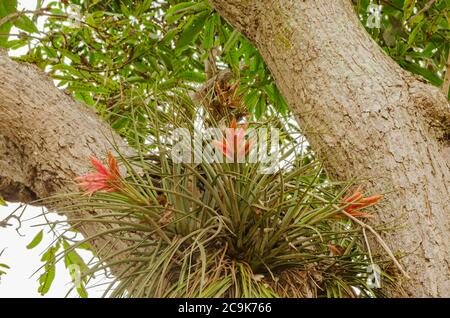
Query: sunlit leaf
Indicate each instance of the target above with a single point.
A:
(36, 240)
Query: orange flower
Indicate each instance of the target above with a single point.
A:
(234, 142)
(105, 179)
(356, 202)
(335, 250)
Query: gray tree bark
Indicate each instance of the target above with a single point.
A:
(365, 117)
(46, 139)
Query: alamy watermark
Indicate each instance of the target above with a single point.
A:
(234, 145)
(75, 274)
(374, 278)
(374, 16)
(75, 15)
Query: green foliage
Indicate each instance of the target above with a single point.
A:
(159, 49)
(6, 8)
(415, 35)
(24, 23)
(36, 240)
(2, 202)
(74, 263)
(46, 279)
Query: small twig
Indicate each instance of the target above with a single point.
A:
(446, 85)
(379, 239)
(368, 245)
(368, 227)
(17, 14)
(423, 10)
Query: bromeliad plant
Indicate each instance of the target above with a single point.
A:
(212, 229)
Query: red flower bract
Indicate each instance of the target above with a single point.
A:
(104, 179)
(356, 202)
(234, 142)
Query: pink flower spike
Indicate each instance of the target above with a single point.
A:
(104, 179)
(230, 142)
(234, 142)
(224, 148)
(98, 165)
(241, 135)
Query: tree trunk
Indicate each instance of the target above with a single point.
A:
(46, 139)
(365, 117)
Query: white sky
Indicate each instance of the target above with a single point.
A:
(19, 282)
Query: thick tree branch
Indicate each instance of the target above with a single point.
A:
(366, 117)
(46, 139)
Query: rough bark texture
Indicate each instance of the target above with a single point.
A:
(366, 117)
(46, 139)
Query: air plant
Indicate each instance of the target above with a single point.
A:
(234, 144)
(104, 179)
(214, 229)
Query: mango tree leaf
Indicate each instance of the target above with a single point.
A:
(81, 290)
(47, 278)
(36, 240)
(85, 246)
(192, 28)
(177, 11)
(251, 99)
(72, 257)
(414, 33)
(261, 107)
(15, 44)
(6, 7)
(430, 76)
(192, 76)
(24, 23)
(408, 8)
(232, 39)
(208, 37)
